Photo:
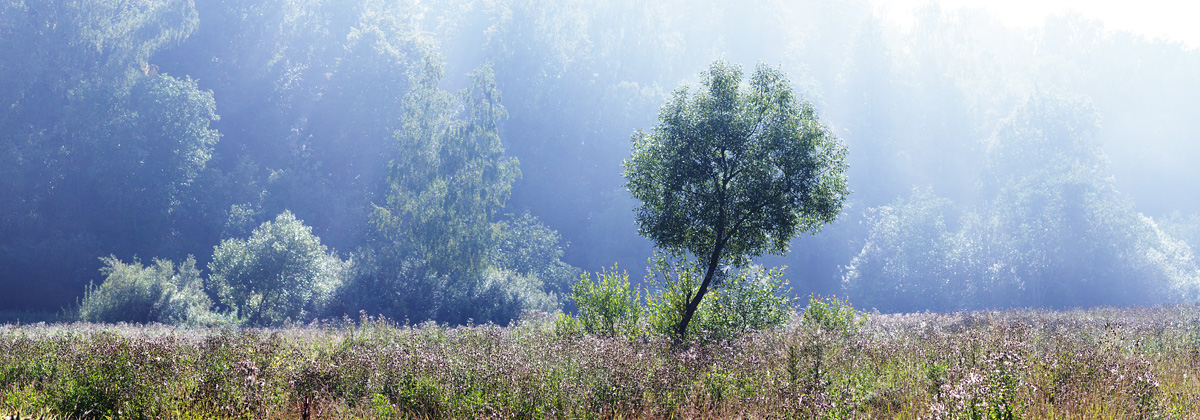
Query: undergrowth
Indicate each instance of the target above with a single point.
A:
(1101, 363)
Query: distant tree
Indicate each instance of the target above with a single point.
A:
(1068, 236)
(905, 264)
(527, 247)
(452, 177)
(281, 271)
(98, 150)
(1054, 233)
(444, 190)
(734, 171)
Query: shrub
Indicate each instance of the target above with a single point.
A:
(665, 309)
(747, 300)
(525, 246)
(282, 271)
(160, 292)
(754, 299)
(607, 306)
(833, 314)
(907, 263)
(382, 279)
(503, 295)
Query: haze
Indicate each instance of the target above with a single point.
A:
(1032, 153)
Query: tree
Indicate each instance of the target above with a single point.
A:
(452, 176)
(281, 271)
(734, 171)
(97, 149)
(450, 180)
(906, 263)
(1058, 220)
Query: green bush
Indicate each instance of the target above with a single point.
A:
(833, 314)
(382, 279)
(665, 309)
(747, 300)
(525, 246)
(753, 299)
(160, 292)
(503, 295)
(281, 271)
(607, 306)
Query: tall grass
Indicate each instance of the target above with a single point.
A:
(1100, 363)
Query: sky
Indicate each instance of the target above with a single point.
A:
(1172, 20)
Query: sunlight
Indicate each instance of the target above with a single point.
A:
(1153, 19)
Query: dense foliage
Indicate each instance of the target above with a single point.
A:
(733, 171)
(152, 130)
(280, 272)
(1100, 363)
(750, 300)
(161, 292)
(1056, 232)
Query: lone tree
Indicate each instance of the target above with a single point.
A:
(733, 171)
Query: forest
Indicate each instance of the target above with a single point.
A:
(269, 161)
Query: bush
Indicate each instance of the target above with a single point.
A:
(754, 299)
(833, 315)
(607, 306)
(504, 295)
(384, 280)
(282, 271)
(908, 261)
(665, 309)
(747, 300)
(160, 292)
(525, 246)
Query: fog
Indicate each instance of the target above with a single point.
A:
(991, 165)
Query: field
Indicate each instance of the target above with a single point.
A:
(1112, 363)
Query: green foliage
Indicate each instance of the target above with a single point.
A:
(439, 255)
(1058, 223)
(383, 279)
(833, 315)
(526, 246)
(503, 295)
(99, 148)
(1054, 231)
(609, 306)
(734, 171)
(387, 282)
(753, 299)
(907, 262)
(678, 280)
(567, 325)
(280, 272)
(443, 191)
(452, 177)
(161, 292)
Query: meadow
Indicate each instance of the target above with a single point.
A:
(1106, 363)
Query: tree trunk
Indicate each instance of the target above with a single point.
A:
(694, 303)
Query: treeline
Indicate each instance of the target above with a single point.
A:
(110, 153)
(1052, 230)
(147, 132)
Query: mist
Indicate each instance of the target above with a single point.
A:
(991, 166)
